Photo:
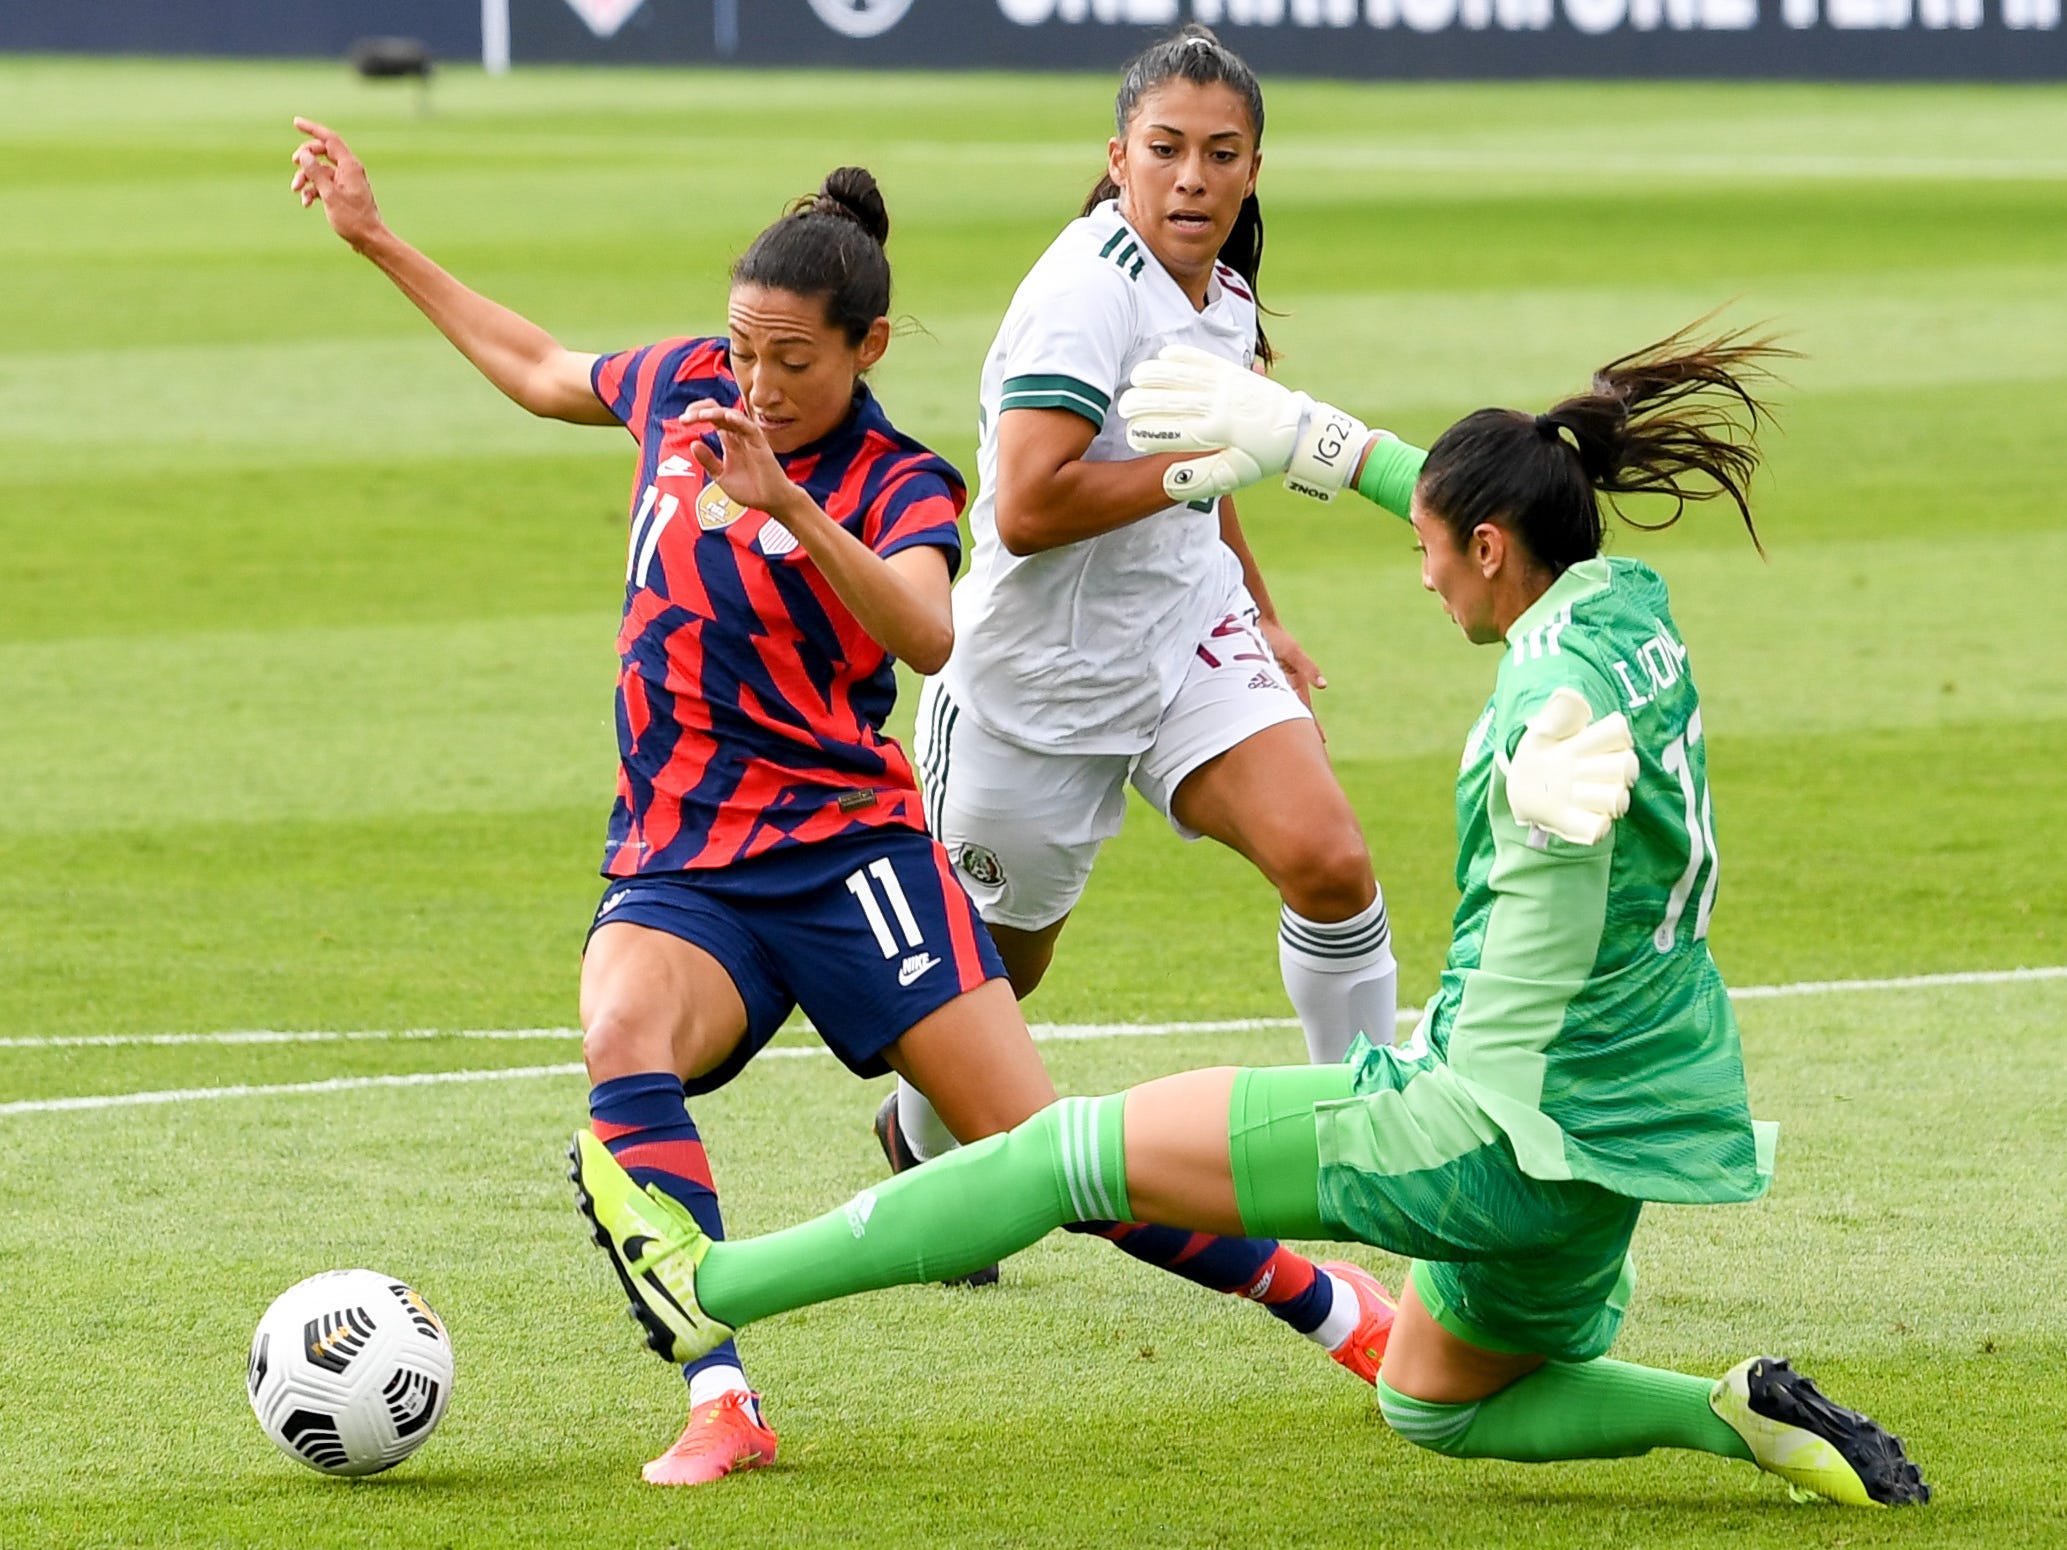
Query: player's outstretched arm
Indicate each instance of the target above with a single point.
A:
(527, 363)
(902, 600)
(1191, 400)
(1049, 494)
(1250, 427)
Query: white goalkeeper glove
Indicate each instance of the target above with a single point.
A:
(1571, 775)
(1187, 400)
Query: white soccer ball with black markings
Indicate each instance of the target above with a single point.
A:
(350, 1372)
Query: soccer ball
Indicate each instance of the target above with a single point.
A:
(349, 1372)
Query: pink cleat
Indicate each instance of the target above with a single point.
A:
(723, 1434)
(1362, 1352)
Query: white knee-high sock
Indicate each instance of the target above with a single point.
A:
(1341, 977)
(923, 1130)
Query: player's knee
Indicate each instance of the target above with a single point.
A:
(1438, 1428)
(616, 1043)
(1327, 875)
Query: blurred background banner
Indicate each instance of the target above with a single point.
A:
(1374, 39)
(280, 29)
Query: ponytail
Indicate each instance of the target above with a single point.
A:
(1676, 418)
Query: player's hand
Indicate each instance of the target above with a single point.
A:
(1300, 670)
(1570, 774)
(744, 466)
(325, 169)
(1187, 399)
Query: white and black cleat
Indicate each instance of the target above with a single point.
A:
(1799, 1433)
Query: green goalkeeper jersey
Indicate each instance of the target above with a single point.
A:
(1580, 1009)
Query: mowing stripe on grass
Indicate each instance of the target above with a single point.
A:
(1042, 1032)
(284, 1036)
(335, 1084)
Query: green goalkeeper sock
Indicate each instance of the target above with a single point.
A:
(962, 1211)
(1570, 1410)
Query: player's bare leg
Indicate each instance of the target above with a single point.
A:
(909, 1128)
(977, 1051)
(1068, 1166)
(656, 1010)
(1178, 1168)
(1429, 1363)
(1443, 1393)
(1027, 954)
(976, 1063)
(651, 1002)
(1274, 799)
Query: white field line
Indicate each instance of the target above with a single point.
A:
(325, 1036)
(1042, 1032)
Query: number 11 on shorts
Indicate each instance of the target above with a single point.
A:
(893, 890)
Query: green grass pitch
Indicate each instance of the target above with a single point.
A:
(304, 696)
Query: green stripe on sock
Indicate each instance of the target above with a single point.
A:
(1069, 1138)
(1423, 1422)
(1109, 1137)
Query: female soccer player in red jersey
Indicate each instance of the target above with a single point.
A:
(767, 849)
(1115, 632)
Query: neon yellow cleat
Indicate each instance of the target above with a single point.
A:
(1813, 1444)
(654, 1246)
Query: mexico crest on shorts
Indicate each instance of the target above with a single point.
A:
(715, 509)
(981, 864)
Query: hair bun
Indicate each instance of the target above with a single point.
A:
(851, 192)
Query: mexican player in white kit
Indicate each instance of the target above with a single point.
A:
(1105, 636)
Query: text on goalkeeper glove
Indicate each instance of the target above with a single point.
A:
(1188, 399)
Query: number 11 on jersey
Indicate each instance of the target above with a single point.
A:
(900, 906)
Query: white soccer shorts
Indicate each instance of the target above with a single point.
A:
(1024, 827)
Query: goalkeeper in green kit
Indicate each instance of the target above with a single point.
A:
(1580, 1057)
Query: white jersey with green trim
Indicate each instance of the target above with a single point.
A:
(1081, 648)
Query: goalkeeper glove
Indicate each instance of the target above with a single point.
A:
(1571, 775)
(1186, 399)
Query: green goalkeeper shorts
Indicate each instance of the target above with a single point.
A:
(1504, 1261)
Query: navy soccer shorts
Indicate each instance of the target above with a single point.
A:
(868, 932)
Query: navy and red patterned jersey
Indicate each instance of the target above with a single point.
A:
(750, 701)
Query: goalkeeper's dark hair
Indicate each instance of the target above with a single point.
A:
(1194, 54)
(1675, 419)
(830, 245)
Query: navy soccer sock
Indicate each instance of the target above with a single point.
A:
(644, 1121)
(1290, 1286)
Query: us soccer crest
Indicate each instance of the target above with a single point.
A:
(715, 509)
